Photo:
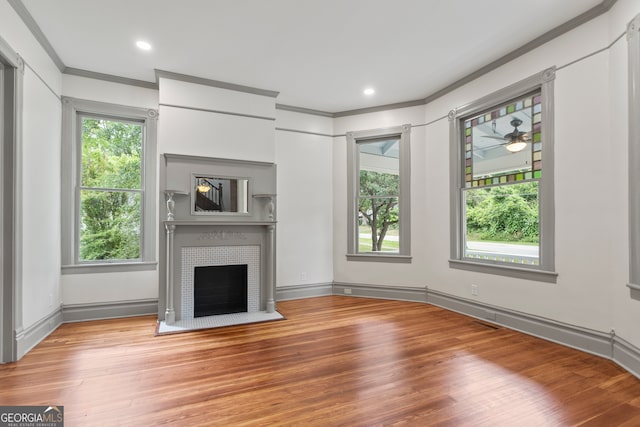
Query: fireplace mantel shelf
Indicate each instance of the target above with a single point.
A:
(218, 223)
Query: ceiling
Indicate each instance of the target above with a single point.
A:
(318, 54)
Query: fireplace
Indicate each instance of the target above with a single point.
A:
(197, 287)
(196, 260)
(219, 289)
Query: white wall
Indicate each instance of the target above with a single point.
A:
(113, 93)
(217, 122)
(305, 201)
(591, 189)
(40, 200)
(38, 278)
(590, 185)
(213, 122)
(626, 311)
(373, 272)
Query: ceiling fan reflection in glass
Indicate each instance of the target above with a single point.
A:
(502, 145)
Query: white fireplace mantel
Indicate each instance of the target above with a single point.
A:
(219, 230)
(181, 227)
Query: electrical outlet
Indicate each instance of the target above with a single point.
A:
(303, 276)
(474, 290)
(347, 291)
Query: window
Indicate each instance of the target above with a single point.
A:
(502, 198)
(378, 185)
(108, 180)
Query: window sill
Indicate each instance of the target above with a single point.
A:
(406, 259)
(114, 267)
(505, 270)
(634, 291)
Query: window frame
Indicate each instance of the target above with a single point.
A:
(403, 133)
(72, 114)
(633, 53)
(542, 81)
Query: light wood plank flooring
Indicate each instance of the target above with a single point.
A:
(335, 361)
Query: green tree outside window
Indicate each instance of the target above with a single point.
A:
(111, 190)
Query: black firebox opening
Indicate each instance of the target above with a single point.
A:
(219, 289)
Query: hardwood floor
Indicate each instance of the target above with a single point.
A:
(335, 361)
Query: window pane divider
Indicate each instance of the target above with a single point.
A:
(502, 184)
(123, 190)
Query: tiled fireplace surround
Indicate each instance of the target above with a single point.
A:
(219, 239)
(193, 244)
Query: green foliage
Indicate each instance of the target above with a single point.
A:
(110, 220)
(503, 213)
(111, 154)
(378, 204)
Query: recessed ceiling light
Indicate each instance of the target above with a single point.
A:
(369, 91)
(143, 45)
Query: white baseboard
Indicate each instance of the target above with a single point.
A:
(377, 291)
(28, 338)
(626, 355)
(602, 344)
(590, 341)
(290, 292)
(109, 310)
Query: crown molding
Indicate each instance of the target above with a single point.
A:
(31, 24)
(302, 110)
(573, 23)
(214, 83)
(110, 78)
(375, 109)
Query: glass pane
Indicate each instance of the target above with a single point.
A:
(502, 223)
(218, 194)
(379, 167)
(110, 224)
(111, 154)
(503, 145)
(491, 155)
(379, 187)
(378, 224)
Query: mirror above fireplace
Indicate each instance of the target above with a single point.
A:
(215, 195)
(219, 190)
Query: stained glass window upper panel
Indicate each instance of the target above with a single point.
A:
(504, 145)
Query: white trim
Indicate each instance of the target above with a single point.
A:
(28, 338)
(399, 293)
(71, 109)
(70, 71)
(11, 79)
(544, 82)
(228, 113)
(598, 343)
(214, 83)
(573, 23)
(587, 340)
(37, 33)
(109, 310)
(309, 290)
(633, 45)
(404, 194)
(626, 355)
